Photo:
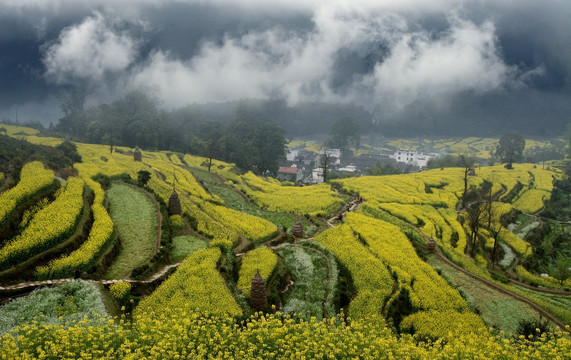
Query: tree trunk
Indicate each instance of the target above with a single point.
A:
(494, 250)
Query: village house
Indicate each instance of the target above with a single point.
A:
(292, 154)
(290, 173)
(411, 157)
(317, 176)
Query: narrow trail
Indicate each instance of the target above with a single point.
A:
(35, 284)
(543, 290)
(393, 292)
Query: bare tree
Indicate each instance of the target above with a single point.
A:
(494, 227)
(474, 214)
(492, 214)
(467, 163)
(478, 210)
(325, 161)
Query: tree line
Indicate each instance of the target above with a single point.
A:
(252, 143)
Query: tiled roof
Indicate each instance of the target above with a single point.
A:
(287, 170)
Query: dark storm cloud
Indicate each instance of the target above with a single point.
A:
(384, 55)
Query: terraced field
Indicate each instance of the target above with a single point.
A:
(136, 219)
(360, 288)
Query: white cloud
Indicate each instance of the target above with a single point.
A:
(89, 51)
(408, 62)
(464, 58)
(300, 65)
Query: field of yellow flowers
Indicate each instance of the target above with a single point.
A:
(33, 179)
(194, 314)
(99, 235)
(195, 286)
(179, 333)
(48, 227)
(260, 259)
(371, 277)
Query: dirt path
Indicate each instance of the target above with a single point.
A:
(538, 289)
(384, 309)
(35, 284)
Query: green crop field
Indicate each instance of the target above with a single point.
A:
(135, 217)
(185, 245)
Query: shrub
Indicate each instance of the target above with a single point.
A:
(532, 328)
(120, 290)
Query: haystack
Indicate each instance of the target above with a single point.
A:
(431, 244)
(297, 229)
(174, 204)
(137, 154)
(258, 298)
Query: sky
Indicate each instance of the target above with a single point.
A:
(499, 58)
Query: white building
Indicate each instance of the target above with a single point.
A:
(348, 168)
(334, 153)
(317, 176)
(292, 154)
(411, 157)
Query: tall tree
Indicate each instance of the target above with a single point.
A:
(343, 132)
(510, 149)
(270, 144)
(561, 270)
(210, 133)
(72, 104)
(254, 144)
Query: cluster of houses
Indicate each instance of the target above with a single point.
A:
(303, 167)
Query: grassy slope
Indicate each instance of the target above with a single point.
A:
(184, 246)
(135, 218)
